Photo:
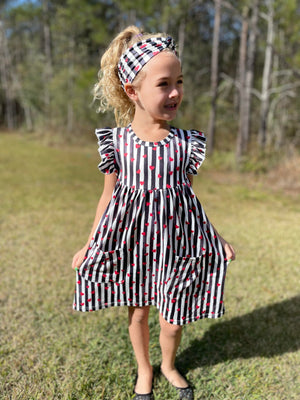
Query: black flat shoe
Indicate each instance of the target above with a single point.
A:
(185, 393)
(148, 396)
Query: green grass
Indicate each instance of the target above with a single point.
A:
(48, 199)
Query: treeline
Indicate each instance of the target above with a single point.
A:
(241, 64)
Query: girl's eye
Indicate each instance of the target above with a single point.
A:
(162, 84)
(180, 81)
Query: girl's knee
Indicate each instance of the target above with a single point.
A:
(169, 329)
(138, 315)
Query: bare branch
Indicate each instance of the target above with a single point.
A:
(264, 16)
(256, 93)
(284, 88)
(277, 100)
(284, 72)
(228, 78)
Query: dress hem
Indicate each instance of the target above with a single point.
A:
(170, 320)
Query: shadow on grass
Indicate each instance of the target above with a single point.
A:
(265, 332)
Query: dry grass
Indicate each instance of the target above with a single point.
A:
(48, 198)
(286, 176)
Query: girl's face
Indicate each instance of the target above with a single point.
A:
(159, 93)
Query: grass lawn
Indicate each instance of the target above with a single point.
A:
(48, 197)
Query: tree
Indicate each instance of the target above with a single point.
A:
(247, 53)
(48, 58)
(265, 93)
(214, 76)
(5, 66)
(242, 133)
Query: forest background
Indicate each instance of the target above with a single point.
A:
(241, 64)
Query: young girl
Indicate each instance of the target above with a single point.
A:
(151, 242)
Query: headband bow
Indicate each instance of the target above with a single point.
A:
(134, 58)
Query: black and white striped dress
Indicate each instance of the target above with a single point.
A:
(154, 244)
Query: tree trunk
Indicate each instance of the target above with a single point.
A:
(250, 71)
(245, 109)
(5, 66)
(181, 37)
(70, 108)
(241, 139)
(214, 77)
(265, 97)
(236, 92)
(48, 60)
(28, 118)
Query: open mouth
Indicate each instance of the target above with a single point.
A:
(171, 106)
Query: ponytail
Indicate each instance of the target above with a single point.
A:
(108, 90)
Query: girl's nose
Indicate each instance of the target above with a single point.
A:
(174, 92)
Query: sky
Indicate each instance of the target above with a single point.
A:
(14, 3)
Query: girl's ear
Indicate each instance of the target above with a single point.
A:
(131, 92)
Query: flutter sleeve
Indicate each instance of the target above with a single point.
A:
(108, 163)
(198, 148)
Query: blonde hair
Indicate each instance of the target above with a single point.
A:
(108, 90)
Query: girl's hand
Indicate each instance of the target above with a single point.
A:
(229, 250)
(79, 257)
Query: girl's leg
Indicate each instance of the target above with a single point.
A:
(170, 336)
(139, 336)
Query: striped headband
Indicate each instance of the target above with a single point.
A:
(134, 58)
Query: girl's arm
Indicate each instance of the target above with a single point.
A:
(229, 250)
(109, 185)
